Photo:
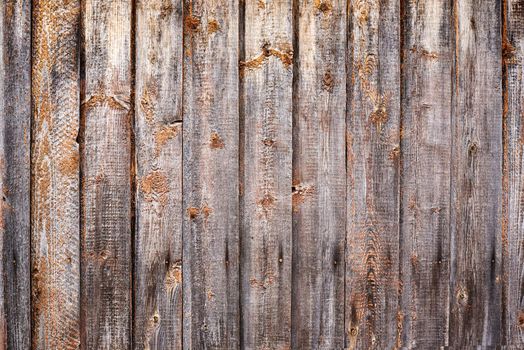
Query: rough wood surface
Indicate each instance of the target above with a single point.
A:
(211, 158)
(15, 121)
(55, 164)
(476, 184)
(266, 109)
(513, 234)
(107, 119)
(319, 175)
(373, 152)
(428, 55)
(158, 239)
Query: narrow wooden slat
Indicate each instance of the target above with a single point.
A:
(372, 284)
(428, 52)
(158, 248)
(55, 167)
(210, 190)
(15, 123)
(106, 174)
(319, 175)
(476, 185)
(513, 185)
(267, 79)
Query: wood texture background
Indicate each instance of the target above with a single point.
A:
(261, 174)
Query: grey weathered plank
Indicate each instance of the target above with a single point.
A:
(513, 234)
(210, 190)
(266, 217)
(15, 123)
(476, 186)
(428, 52)
(158, 240)
(55, 201)
(106, 174)
(319, 175)
(372, 281)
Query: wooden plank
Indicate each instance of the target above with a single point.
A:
(158, 240)
(372, 281)
(476, 185)
(428, 52)
(266, 216)
(55, 209)
(106, 157)
(319, 175)
(211, 206)
(15, 123)
(513, 231)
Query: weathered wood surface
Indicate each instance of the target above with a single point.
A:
(106, 134)
(210, 175)
(476, 177)
(55, 200)
(262, 174)
(373, 151)
(319, 175)
(428, 55)
(15, 132)
(266, 112)
(513, 230)
(158, 237)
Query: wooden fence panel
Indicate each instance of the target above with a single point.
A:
(55, 164)
(428, 56)
(319, 175)
(266, 109)
(15, 133)
(107, 117)
(158, 237)
(211, 171)
(513, 233)
(373, 152)
(476, 184)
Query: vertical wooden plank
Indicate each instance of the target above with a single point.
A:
(373, 175)
(55, 184)
(319, 175)
(15, 123)
(211, 205)
(106, 171)
(267, 78)
(475, 286)
(513, 234)
(158, 247)
(428, 53)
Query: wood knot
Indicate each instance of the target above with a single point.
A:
(192, 23)
(216, 141)
(193, 212)
(328, 81)
(212, 26)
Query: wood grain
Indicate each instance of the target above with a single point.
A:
(372, 253)
(319, 175)
(15, 124)
(428, 56)
(266, 111)
(476, 185)
(107, 119)
(158, 240)
(513, 231)
(55, 168)
(211, 170)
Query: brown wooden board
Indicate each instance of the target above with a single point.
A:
(106, 159)
(476, 176)
(373, 152)
(15, 133)
(158, 238)
(55, 199)
(428, 56)
(266, 110)
(210, 175)
(319, 174)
